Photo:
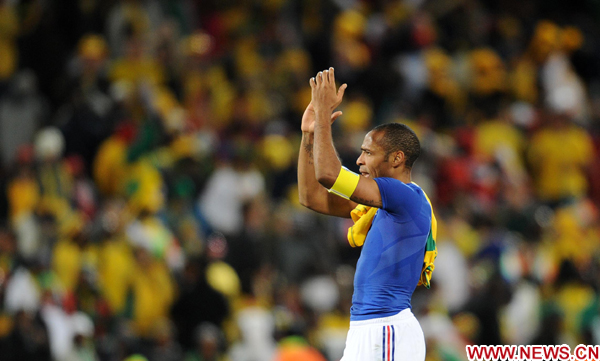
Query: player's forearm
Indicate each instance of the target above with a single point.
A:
(327, 165)
(308, 187)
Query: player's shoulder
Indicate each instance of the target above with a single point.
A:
(397, 185)
(418, 190)
(415, 187)
(396, 193)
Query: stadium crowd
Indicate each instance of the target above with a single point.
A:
(149, 206)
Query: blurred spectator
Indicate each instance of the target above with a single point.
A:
(209, 344)
(111, 161)
(153, 292)
(28, 339)
(115, 257)
(9, 30)
(86, 119)
(560, 175)
(83, 339)
(166, 347)
(198, 302)
(22, 293)
(256, 327)
(22, 111)
(231, 185)
(295, 348)
(54, 181)
(71, 252)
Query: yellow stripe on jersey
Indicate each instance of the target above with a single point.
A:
(430, 251)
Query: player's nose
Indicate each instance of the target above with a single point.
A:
(359, 160)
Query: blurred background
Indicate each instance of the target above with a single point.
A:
(148, 196)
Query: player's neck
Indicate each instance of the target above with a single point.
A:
(403, 175)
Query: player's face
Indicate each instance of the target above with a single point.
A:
(372, 160)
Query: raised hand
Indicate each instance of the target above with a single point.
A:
(325, 97)
(308, 118)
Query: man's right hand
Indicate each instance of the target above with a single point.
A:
(308, 118)
(312, 194)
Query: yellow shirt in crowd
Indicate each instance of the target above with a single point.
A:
(558, 158)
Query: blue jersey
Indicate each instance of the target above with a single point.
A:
(391, 259)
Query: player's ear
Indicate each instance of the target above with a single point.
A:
(398, 158)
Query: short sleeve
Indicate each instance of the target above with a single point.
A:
(396, 196)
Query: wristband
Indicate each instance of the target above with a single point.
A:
(345, 184)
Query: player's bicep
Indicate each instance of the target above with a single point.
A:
(339, 207)
(367, 193)
(331, 204)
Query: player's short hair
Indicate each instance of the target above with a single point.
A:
(397, 137)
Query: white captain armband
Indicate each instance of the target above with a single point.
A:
(345, 184)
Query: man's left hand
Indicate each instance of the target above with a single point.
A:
(324, 94)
